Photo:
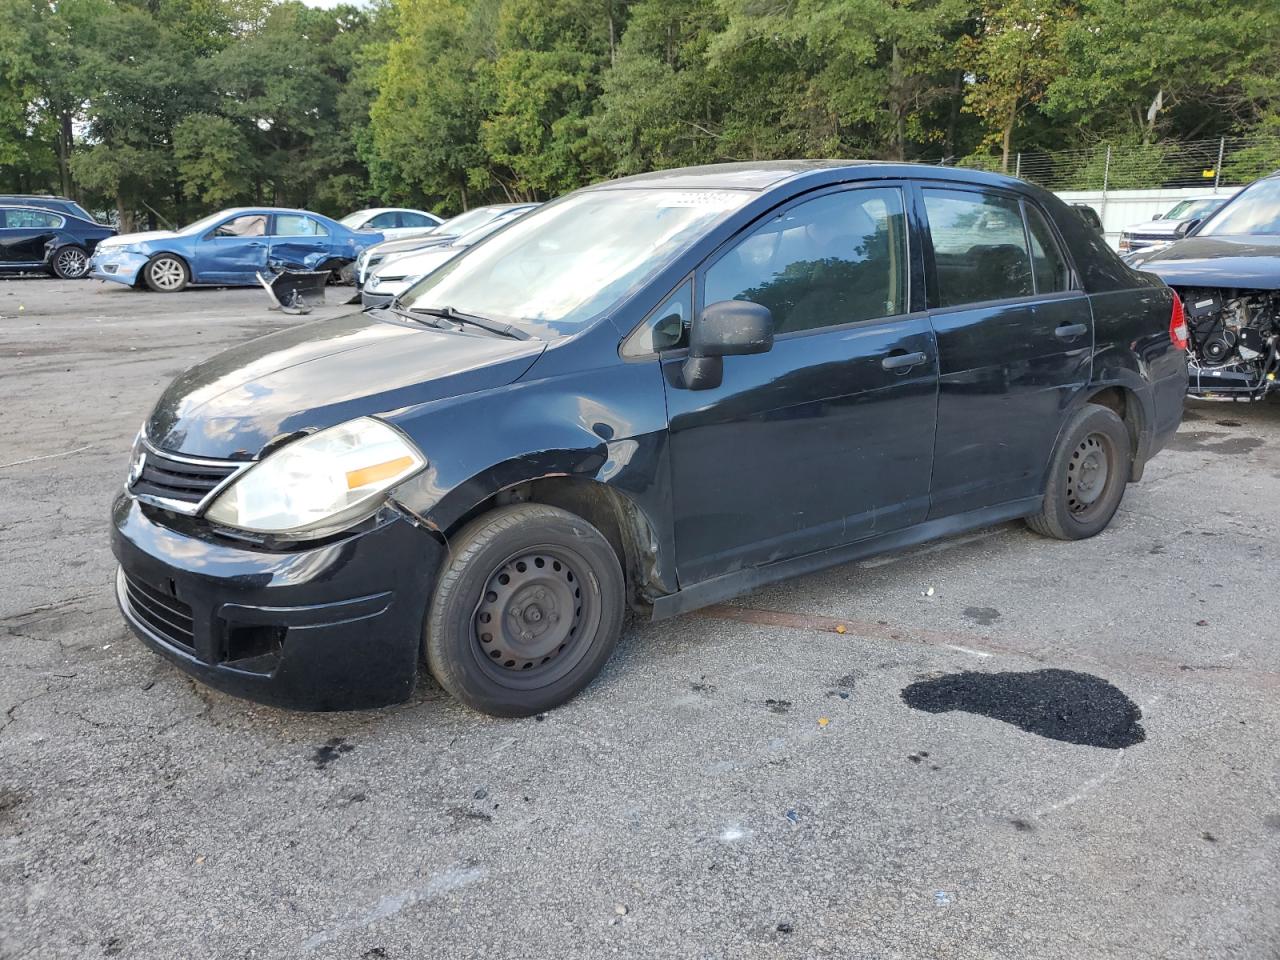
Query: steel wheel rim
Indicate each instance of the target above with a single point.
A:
(71, 263)
(166, 273)
(1089, 474)
(536, 617)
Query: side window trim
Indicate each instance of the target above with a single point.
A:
(909, 267)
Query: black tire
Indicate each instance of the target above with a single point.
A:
(166, 273)
(70, 262)
(1087, 476)
(550, 625)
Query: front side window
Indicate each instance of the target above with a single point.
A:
(296, 225)
(568, 262)
(839, 258)
(979, 247)
(383, 220)
(21, 218)
(410, 219)
(250, 225)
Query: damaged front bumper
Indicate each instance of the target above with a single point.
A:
(120, 266)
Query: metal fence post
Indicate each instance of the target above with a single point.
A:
(1217, 170)
(1017, 165)
(1106, 180)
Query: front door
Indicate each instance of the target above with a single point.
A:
(234, 251)
(828, 437)
(1015, 343)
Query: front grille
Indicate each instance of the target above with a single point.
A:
(166, 616)
(181, 480)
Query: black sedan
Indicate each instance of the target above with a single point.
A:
(38, 238)
(659, 392)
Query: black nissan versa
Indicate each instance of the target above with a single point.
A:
(659, 392)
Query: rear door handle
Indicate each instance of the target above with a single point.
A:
(900, 360)
(1069, 331)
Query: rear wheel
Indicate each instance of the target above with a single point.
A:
(1087, 476)
(165, 273)
(70, 262)
(526, 611)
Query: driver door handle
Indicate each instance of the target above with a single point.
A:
(900, 360)
(1069, 331)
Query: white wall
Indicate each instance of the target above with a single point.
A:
(1123, 208)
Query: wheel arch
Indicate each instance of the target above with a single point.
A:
(186, 262)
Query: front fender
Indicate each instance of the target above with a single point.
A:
(606, 426)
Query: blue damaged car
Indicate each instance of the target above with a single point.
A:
(228, 248)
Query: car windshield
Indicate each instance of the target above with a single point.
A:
(566, 263)
(1192, 208)
(204, 223)
(1254, 211)
(465, 222)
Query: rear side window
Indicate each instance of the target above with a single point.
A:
(835, 259)
(294, 225)
(20, 218)
(1051, 270)
(411, 219)
(979, 247)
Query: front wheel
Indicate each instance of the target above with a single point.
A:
(1087, 476)
(526, 611)
(70, 263)
(165, 273)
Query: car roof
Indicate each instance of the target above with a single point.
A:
(761, 175)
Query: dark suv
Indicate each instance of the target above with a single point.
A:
(660, 392)
(52, 234)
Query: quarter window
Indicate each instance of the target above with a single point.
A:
(979, 247)
(1052, 273)
(665, 327)
(250, 225)
(836, 259)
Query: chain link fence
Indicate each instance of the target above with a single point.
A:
(1222, 162)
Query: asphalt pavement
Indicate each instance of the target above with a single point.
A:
(993, 746)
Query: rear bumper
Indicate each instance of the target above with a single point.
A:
(333, 627)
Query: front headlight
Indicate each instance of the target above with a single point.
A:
(319, 484)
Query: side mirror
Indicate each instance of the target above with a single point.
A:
(1185, 227)
(728, 328)
(1158, 216)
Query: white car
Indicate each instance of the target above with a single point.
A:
(1163, 229)
(397, 272)
(392, 221)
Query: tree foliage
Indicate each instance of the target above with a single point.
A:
(162, 109)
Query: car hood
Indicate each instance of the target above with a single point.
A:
(1159, 228)
(417, 264)
(1252, 262)
(124, 239)
(321, 374)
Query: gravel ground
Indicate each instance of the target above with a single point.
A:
(992, 746)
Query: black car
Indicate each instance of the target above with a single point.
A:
(43, 238)
(1227, 272)
(660, 392)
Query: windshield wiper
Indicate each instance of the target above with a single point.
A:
(398, 309)
(484, 323)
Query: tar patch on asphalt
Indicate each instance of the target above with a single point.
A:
(1058, 704)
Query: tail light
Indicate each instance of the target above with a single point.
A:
(1178, 324)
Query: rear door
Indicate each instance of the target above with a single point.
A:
(234, 251)
(1015, 342)
(828, 437)
(25, 233)
(298, 241)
